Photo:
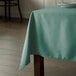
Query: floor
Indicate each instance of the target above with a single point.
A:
(12, 35)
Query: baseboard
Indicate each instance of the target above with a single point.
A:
(14, 19)
(18, 19)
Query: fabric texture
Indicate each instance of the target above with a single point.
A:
(51, 33)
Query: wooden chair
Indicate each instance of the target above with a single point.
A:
(7, 7)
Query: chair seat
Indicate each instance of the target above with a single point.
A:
(7, 0)
(12, 3)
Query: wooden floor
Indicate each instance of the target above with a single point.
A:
(11, 43)
(12, 35)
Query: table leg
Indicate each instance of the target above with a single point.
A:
(38, 65)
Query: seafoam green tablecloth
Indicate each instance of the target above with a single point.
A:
(51, 33)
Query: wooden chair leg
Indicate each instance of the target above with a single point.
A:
(38, 65)
(5, 9)
(19, 10)
(9, 9)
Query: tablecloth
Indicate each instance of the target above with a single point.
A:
(51, 33)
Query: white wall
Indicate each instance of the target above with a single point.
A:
(30, 5)
(27, 6)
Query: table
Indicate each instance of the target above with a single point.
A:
(51, 33)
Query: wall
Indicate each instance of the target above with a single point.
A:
(27, 6)
(30, 5)
(36, 4)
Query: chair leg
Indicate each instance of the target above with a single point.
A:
(9, 9)
(5, 8)
(19, 10)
